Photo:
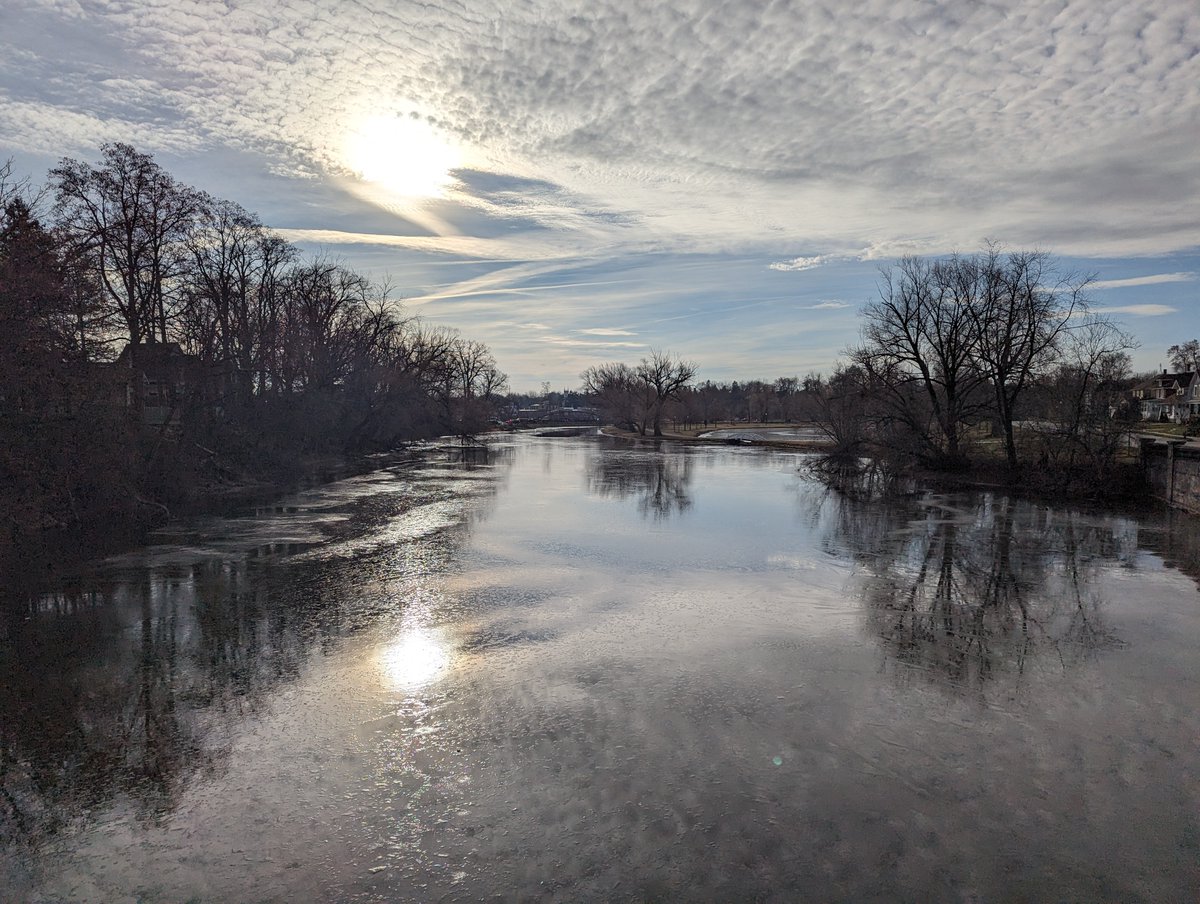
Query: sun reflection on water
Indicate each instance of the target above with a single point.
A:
(416, 658)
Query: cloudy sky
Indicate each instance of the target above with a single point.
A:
(575, 182)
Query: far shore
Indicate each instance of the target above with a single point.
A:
(692, 435)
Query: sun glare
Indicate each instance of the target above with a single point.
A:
(414, 659)
(406, 157)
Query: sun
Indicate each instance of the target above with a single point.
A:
(406, 157)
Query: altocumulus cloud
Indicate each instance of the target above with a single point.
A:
(847, 128)
(695, 147)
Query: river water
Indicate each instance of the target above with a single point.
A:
(575, 670)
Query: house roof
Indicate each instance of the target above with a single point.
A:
(153, 355)
(1168, 380)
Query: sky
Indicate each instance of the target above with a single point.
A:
(581, 182)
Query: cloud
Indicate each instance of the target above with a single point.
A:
(516, 248)
(1139, 310)
(598, 132)
(1152, 280)
(829, 306)
(800, 263)
(682, 124)
(585, 343)
(603, 331)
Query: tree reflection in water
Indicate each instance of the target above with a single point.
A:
(659, 480)
(966, 587)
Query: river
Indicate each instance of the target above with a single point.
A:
(578, 670)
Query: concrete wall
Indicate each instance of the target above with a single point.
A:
(1173, 473)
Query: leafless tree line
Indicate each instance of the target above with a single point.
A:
(277, 351)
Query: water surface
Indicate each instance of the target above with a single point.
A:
(575, 670)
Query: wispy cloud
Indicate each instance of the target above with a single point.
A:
(1152, 280)
(604, 331)
(829, 306)
(1138, 310)
(518, 248)
(571, 342)
(800, 263)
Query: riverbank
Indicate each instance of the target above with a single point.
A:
(41, 552)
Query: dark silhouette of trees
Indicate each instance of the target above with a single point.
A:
(620, 395)
(955, 343)
(918, 353)
(237, 358)
(1077, 400)
(665, 376)
(1185, 356)
(1022, 313)
(842, 408)
(128, 220)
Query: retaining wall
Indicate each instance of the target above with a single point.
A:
(1173, 473)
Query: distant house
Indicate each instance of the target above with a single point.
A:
(1169, 396)
(159, 380)
(170, 379)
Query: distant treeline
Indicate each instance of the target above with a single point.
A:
(991, 358)
(156, 342)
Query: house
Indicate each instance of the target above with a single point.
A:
(158, 381)
(167, 379)
(1167, 396)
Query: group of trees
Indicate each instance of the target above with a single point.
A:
(988, 340)
(997, 345)
(1185, 356)
(636, 397)
(271, 355)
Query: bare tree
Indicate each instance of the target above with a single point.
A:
(665, 376)
(225, 271)
(1081, 395)
(1186, 355)
(619, 393)
(918, 353)
(785, 395)
(840, 406)
(323, 314)
(1021, 310)
(128, 217)
(947, 334)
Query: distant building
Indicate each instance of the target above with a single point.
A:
(171, 380)
(1169, 396)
